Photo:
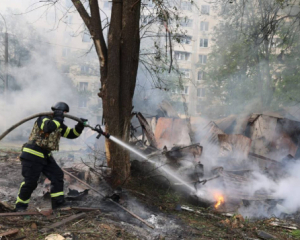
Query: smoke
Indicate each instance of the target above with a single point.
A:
(35, 80)
(266, 193)
(282, 191)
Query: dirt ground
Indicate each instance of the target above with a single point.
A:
(164, 208)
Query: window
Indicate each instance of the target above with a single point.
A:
(185, 73)
(149, 3)
(185, 39)
(86, 36)
(205, 9)
(84, 69)
(186, 6)
(69, 19)
(174, 90)
(147, 19)
(198, 108)
(203, 26)
(177, 90)
(107, 4)
(201, 75)
(82, 103)
(65, 68)
(202, 59)
(83, 86)
(67, 37)
(200, 92)
(185, 56)
(69, 3)
(204, 42)
(66, 52)
(186, 90)
(186, 22)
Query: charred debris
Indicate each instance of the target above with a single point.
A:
(221, 155)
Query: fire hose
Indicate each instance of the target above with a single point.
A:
(98, 129)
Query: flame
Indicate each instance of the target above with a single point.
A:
(220, 200)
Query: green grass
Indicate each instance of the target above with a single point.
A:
(296, 234)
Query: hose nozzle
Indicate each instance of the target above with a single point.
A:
(99, 130)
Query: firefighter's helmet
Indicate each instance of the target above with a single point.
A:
(60, 106)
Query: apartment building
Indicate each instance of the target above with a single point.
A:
(197, 22)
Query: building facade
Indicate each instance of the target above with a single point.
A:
(197, 21)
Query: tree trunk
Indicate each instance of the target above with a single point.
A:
(123, 55)
(118, 68)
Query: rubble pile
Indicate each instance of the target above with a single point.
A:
(232, 151)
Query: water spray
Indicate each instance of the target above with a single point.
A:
(121, 143)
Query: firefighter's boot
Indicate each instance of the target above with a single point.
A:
(60, 204)
(21, 207)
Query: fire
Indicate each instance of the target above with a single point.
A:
(220, 200)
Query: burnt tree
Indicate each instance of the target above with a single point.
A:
(118, 67)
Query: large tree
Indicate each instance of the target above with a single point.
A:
(119, 60)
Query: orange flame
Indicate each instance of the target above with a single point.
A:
(220, 200)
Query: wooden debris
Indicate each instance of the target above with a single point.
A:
(18, 214)
(85, 209)
(5, 206)
(171, 131)
(147, 130)
(33, 226)
(281, 223)
(211, 132)
(234, 222)
(77, 222)
(265, 235)
(271, 165)
(101, 194)
(76, 192)
(188, 209)
(63, 222)
(45, 212)
(9, 232)
(227, 124)
(168, 109)
(234, 145)
(228, 214)
(263, 132)
(54, 236)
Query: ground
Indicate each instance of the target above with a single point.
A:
(163, 207)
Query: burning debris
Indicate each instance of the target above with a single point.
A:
(220, 200)
(244, 149)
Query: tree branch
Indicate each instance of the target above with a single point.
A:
(82, 12)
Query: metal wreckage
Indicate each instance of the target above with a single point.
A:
(222, 155)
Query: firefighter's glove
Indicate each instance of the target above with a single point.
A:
(58, 115)
(80, 125)
(84, 121)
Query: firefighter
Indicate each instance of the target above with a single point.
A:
(36, 156)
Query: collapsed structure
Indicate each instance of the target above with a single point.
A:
(232, 149)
